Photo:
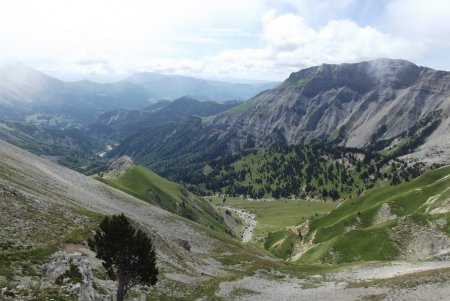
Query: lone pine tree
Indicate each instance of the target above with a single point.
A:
(126, 252)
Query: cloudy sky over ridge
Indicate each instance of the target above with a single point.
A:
(249, 39)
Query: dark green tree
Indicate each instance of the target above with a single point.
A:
(127, 253)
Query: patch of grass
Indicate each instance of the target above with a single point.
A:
(280, 243)
(73, 274)
(365, 245)
(403, 198)
(241, 291)
(24, 262)
(236, 111)
(55, 294)
(100, 273)
(40, 232)
(378, 297)
(139, 181)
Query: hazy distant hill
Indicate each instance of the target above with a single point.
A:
(44, 100)
(123, 122)
(174, 86)
(28, 92)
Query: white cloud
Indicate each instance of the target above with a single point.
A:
(291, 45)
(233, 38)
(123, 32)
(419, 19)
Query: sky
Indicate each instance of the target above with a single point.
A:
(107, 40)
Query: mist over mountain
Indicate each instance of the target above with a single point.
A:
(25, 92)
(227, 150)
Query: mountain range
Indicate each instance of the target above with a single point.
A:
(355, 99)
(124, 122)
(27, 94)
(383, 102)
(170, 87)
(312, 171)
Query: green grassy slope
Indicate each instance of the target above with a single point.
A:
(354, 231)
(280, 243)
(146, 185)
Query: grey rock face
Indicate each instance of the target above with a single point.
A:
(120, 166)
(356, 98)
(56, 272)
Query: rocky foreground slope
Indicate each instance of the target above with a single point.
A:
(47, 212)
(46, 207)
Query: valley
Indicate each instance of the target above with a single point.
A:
(316, 188)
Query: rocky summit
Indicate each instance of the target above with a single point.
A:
(355, 100)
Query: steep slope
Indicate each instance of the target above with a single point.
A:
(127, 122)
(25, 92)
(355, 105)
(172, 149)
(69, 147)
(46, 208)
(357, 99)
(150, 187)
(174, 86)
(409, 221)
(47, 212)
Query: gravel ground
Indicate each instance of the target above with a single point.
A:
(337, 286)
(290, 289)
(249, 220)
(387, 270)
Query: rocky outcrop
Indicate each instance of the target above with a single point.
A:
(383, 214)
(119, 167)
(75, 273)
(420, 242)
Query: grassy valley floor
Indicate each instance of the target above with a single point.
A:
(273, 216)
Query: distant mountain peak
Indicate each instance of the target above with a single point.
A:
(165, 86)
(20, 73)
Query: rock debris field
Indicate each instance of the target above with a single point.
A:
(249, 220)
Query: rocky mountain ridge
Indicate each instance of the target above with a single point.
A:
(353, 105)
(355, 99)
(125, 122)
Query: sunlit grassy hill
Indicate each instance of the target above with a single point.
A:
(146, 185)
(406, 221)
